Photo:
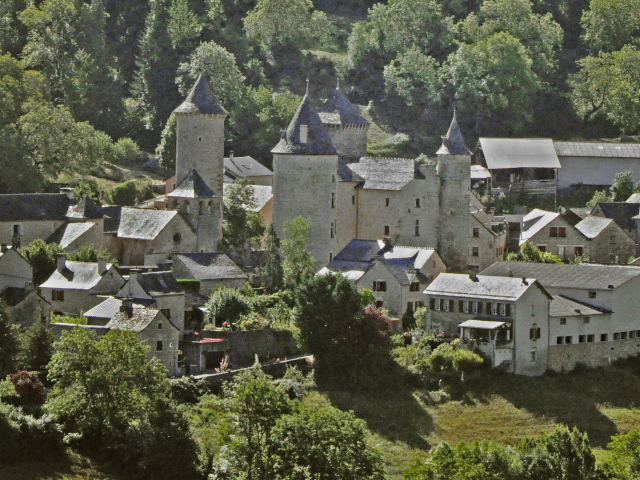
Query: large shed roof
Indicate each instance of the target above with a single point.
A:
(597, 149)
(504, 153)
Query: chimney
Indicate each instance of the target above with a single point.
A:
(68, 192)
(473, 277)
(127, 306)
(524, 281)
(102, 266)
(61, 262)
(231, 155)
(4, 248)
(304, 130)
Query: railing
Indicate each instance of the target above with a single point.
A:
(535, 187)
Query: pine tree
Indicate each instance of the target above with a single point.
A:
(272, 267)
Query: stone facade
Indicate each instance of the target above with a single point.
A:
(163, 338)
(564, 358)
(349, 140)
(487, 240)
(15, 271)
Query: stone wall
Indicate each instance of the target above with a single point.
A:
(349, 140)
(15, 271)
(566, 357)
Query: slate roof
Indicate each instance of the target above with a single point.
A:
(582, 276)
(487, 287)
(69, 232)
(192, 186)
(143, 224)
(111, 215)
(108, 308)
(14, 295)
(159, 283)
(139, 320)
(505, 153)
(581, 212)
(33, 206)
(211, 266)
(478, 172)
(338, 110)
(597, 149)
(453, 141)
(318, 142)
(562, 306)
(201, 100)
(242, 167)
(261, 196)
(85, 208)
(481, 324)
(534, 221)
(621, 212)
(360, 251)
(592, 226)
(384, 173)
(76, 276)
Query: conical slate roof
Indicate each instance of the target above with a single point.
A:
(338, 110)
(85, 208)
(453, 141)
(201, 100)
(192, 186)
(318, 142)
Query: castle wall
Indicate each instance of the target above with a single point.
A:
(349, 140)
(302, 186)
(346, 211)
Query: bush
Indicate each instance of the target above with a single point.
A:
(296, 383)
(68, 319)
(125, 151)
(228, 305)
(125, 194)
(29, 387)
(450, 357)
(466, 360)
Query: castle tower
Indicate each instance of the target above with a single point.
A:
(200, 164)
(305, 165)
(454, 170)
(344, 125)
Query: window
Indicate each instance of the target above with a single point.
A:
(410, 307)
(476, 232)
(57, 295)
(534, 332)
(582, 338)
(474, 307)
(331, 229)
(330, 256)
(177, 238)
(557, 231)
(590, 338)
(623, 335)
(578, 251)
(386, 202)
(199, 139)
(562, 231)
(159, 346)
(414, 287)
(587, 319)
(333, 200)
(417, 228)
(533, 355)
(386, 230)
(16, 229)
(353, 199)
(465, 306)
(553, 231)
(475, 251)
(563, 321)
(632, 334)
(592, 294)
(432, 303)
(417, 203)
(503, 309)
(333, 178)
(604, 337)
(568, 339)
(616, 336)
(434, 264)
(379, 286)
(418, 305)
(559, 340)
(446, 305)
(542, 248)
(494, 309)
(159, 325)
(379, 304)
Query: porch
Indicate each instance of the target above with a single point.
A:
(492, 338)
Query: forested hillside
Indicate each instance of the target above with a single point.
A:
(83, 81)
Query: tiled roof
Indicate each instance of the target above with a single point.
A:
(211, 266)
(384, 173)
(107, 309)
(159, 283)
(143, 224)
(592, 226)
(139, 319)
(192, 186)
(76, 276)
(241, 167)
(201, 100)
(489, 287)
(621, 212)
(562, 306)
(582, 276)
(33, 206)
(318, 142)
(453, 141)
(338, 110)
(85, 208)
(597, 149)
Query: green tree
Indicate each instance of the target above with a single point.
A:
(9, 342)
(367, 297)
(183, 25)
(271, 276)
(324, 444)
(42, 258)
(624, 457)
(530, 253)
(611, 24)
(492, 77)
(227, 305)
(166, 149)
(598, 197)
(298, 263)
(89, 253)
(241, 225)
(37, 347)
(622, 186)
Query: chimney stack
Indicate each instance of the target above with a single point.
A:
(102, 266)
(68, 192)
(61, 262)
(4, 248)
(231, 155)
(127, 306)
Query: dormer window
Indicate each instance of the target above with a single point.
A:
(304, 130)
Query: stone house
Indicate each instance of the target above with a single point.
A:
(107, 309)
(397, 275)
(151, 326)
(73, 288)
(159, 288)
(507, 318)
(624, 213)
(586, 337)
(487, 237)
(26, 305)
(566, 235)
(248, 168)
(211, 269)
(15, 271)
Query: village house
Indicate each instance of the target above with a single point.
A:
(150, 325)
(397, 275)
(15, 271)
(507, 318)
(487, 236)
(246, 168)
(26, 306)
(107, 309)
(567, 235)
(624, 213)
(585, 337)
(73, 288)
(212, 270)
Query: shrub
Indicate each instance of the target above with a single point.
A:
(228, 305)
(69, 319)
(125, 194)
(296, 383)
(29, 387)
(449, 357)
(466, 360)
(125, 151)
